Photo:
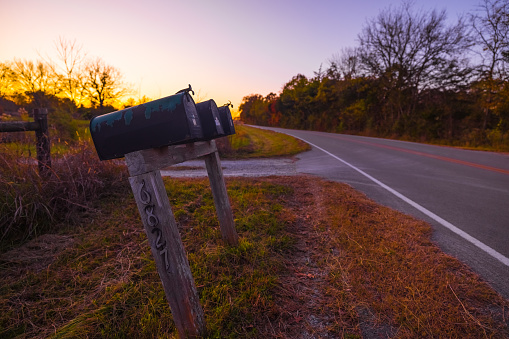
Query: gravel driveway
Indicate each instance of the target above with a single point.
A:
(235, 168)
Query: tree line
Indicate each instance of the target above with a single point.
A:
(73, 82)
(413, 75)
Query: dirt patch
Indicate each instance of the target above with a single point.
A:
(306, 308)
(235, 168)
(38, 253)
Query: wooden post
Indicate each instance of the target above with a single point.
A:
(223, 207)
(161, 228)
(169, 253)
(42, 140)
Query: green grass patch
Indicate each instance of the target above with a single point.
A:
(251, 142)
(107, 284)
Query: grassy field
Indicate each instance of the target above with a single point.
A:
(315, 259)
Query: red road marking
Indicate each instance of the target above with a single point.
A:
(456, 161)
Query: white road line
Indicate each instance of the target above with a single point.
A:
(503, 259)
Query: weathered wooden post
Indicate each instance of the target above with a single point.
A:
(154, 136)
(212, 128)
(169, 254)
(42, 140)
(221, 201)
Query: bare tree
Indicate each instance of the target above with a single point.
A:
(412, 51)
(345, 64)
(71, 59)
(34, 77)
(491, 26)
(199, 97)
(103, 83)
(413, 47)
(7, 78)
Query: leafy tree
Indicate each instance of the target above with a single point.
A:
(297, 102)
(246, 108)
(254, 110)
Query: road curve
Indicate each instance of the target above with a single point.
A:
(463, 194)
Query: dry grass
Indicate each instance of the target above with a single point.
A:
(316, 259)
(385, 278)
(31, 205)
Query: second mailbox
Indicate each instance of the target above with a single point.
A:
(168, 121)
(209, 117)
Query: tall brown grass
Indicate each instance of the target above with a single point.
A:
(32, 205)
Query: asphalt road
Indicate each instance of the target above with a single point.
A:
(463, 194)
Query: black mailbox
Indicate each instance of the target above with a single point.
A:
(209, 117)
(168, 121)
(225, 116)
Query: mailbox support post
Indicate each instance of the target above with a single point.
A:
(223, 208)
(169, 254)
(140, 162)
(161, 228)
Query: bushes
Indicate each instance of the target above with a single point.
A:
(65, 126)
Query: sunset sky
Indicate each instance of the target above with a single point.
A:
(225, 49)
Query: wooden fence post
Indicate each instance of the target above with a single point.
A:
(223, 207)
(169, 254)
(42, 140)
